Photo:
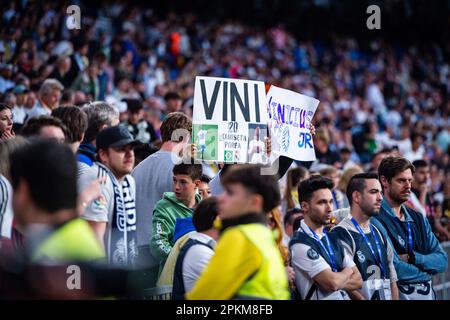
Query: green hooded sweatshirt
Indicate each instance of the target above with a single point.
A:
(165, 214)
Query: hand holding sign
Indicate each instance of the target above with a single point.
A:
(312, 129)
(268, 143)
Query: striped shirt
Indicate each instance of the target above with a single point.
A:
(6, 211)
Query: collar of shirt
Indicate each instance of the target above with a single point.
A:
(40, 105)
(248, 218)
(305, 228)
(204, 238)
(387, 207)
(348, 224)
(111, 174)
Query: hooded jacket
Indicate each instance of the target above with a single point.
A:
(86, 153)
(430, 257)
(165, 214)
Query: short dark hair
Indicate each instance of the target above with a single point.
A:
(74, 119)
(307, 187)
(4, 106)
(391, 166)
(289, 216)
(173, 122)
(249, 175)
(192, 170)
(204, 178)
(345, 150)
(358, 183)
(80, 42)
(384, 150)
(142, 151)
(414, 135)
(67, 94)
(296, 223)
(134, 105)
(34, 125)
(50, 170)
(171, 96)
(205, 214)
(420, 163)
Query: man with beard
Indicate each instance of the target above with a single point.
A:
(113, 216)
(371, 252)
(323, 271)
(417, 253)
(421, 199)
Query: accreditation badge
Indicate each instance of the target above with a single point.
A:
(387, 289)
(378, 289)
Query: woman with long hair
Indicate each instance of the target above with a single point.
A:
(345, 179)
(275, 224)
(6, 122)
(290, 198)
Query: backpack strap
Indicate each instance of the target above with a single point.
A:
(311, 291)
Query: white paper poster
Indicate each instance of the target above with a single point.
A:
(290, 116)
(229, 120)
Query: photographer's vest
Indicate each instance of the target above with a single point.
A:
(73, 241)
(373, 275)
(302, 237)
(270, 280)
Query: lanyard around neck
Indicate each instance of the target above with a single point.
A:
(378, 258)
(329, 251)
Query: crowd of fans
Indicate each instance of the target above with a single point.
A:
(130, 67)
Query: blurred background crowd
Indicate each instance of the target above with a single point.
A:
(377, 95)
(382, 92)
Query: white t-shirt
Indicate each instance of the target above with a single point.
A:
(103, 211)
(415, 155)
(256, 151)
(308, 263)
(196, 259)
(404, 146)
(39, 110)
(202, 137)
(19, 114)
(6, 210)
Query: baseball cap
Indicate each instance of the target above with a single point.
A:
(116, 136)
(19, 89)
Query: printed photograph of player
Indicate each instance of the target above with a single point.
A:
(205, 139)
(256, 146)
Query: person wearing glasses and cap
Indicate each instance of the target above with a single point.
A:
(113, 217)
